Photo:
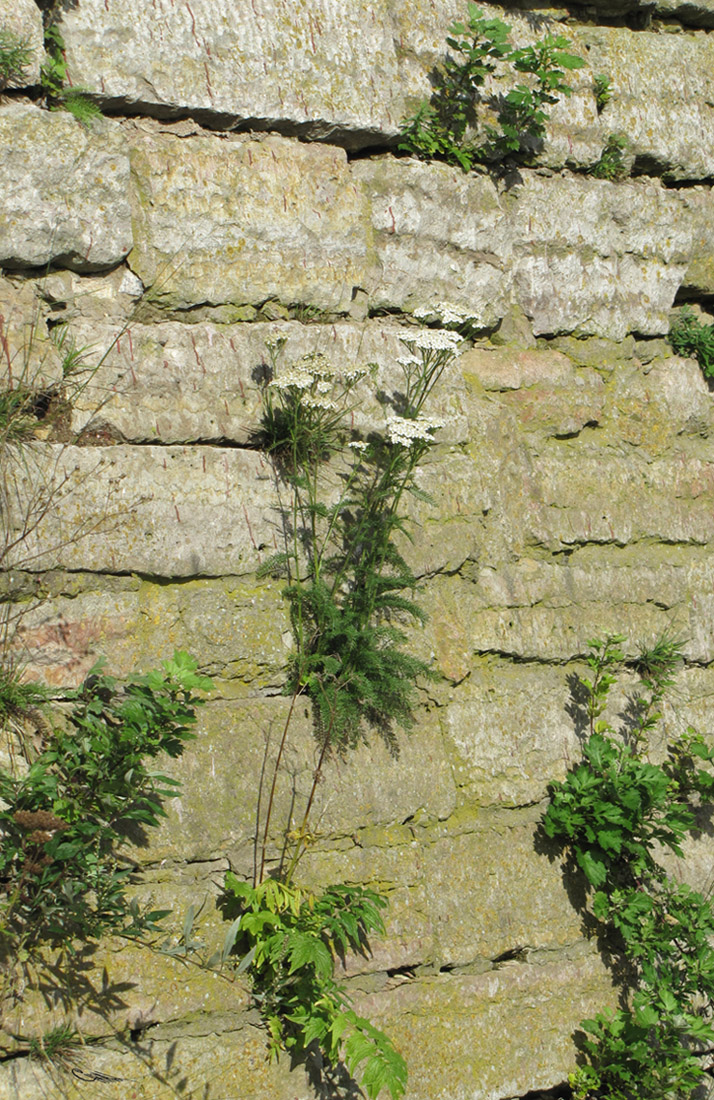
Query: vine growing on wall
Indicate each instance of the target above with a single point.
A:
(350, 595)
(614, 814)
(449, 125)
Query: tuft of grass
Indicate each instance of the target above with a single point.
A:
(18, 697)
(16, 54)
(58, 1046)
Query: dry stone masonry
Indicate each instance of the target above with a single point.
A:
(243, 187)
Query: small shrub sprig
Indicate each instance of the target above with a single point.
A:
(447, 126)
(613, 812)
(691, 337)
(602, 88)
(349, 592)
(611, 165)
(63, 819)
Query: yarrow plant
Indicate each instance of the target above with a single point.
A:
(350, 594)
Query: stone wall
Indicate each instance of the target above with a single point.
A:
(244, 186)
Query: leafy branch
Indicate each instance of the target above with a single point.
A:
(614, 813)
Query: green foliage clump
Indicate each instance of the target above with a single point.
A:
(614, 813)
(690, 337)
(16, 54)
(447, 127)
(611, 165)
(60, 875)
(53, 76)
(290, 938)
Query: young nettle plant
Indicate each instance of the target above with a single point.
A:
(447, 127)
(66, 811)
(614, 813)
(350, 594)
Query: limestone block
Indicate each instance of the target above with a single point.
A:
(533, 610)
(613, 500)
(170, 511)
(29, 355)
(173, 382)
(544, 391)
(662, 95)
(238, 627)
(490, 890)
(238, 220)
(23, 20)
(450, 1028)
(189, 511)
(571, 252)
(699, 202)
(594, 257)
(492, 1035)
(693, 13)
(346, 73)
(371, 787)
(509, 732)
(323, 69)
(435, 237)
(63, 190)
(218, 1053)
(652, 409)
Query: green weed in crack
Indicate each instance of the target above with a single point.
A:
(690, 336)
(448, 127)
(350, 593)
(613, 813)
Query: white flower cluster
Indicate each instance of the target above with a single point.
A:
(435, 339)
(447, 312)
(409, 361)
(451, 314)
(405, 432)
(293, 378)
(357, 445)
(313, 369)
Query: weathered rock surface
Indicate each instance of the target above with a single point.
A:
(64, 191)
(668, 119)
(174, 383)
(573, 489)
(241, 222)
